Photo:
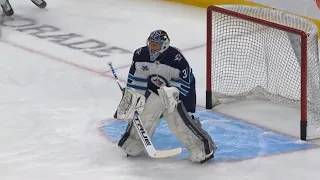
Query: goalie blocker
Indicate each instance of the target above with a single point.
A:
(157, 103)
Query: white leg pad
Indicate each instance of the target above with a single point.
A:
(150, 118)
(190, 134)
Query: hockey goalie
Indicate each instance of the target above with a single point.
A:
(161, 84)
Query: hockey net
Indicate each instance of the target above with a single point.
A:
(266, 54)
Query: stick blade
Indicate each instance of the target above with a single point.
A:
(166, 153)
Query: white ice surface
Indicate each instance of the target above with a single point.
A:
(50, 111)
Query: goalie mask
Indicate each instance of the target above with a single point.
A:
(157, 43)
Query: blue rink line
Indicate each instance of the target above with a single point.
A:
(236, 140)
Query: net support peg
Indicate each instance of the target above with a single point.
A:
(303, 130)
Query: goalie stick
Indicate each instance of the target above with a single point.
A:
(152, 152)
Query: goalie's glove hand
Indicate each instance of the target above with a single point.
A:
(131, 101)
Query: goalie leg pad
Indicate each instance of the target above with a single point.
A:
(130, 141)
(190, 133)
(131, 146)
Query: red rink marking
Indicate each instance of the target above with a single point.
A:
(64, 61)
(105, 74)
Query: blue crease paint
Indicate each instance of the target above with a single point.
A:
(236, 140)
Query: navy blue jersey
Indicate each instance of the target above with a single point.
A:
(171, 66)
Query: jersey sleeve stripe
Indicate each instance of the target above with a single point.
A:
(136, 87)
(133, 78)
(181, 82)
(182, 91)
(185, 87)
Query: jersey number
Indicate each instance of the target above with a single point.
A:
(184, 73)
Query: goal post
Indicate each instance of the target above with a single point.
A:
(264, 53)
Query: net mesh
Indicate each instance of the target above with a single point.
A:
(251, 59)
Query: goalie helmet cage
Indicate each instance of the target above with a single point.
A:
(264, 51)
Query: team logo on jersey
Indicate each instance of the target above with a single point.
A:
(158, 81)
(178, 57)
(145, 68)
